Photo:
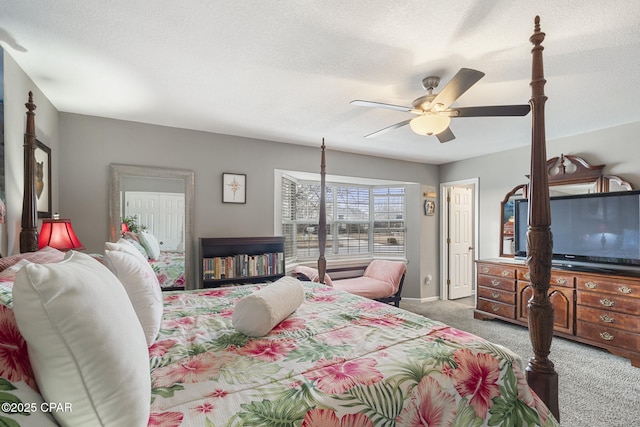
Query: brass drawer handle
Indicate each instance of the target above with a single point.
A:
(607, 319)
(505, 273)
(495, 282)
(495, 295)
(607, 302)
(591, 285)
(527, 275)
(495, 308)
(606, 336)
(561, 281)
(485, 269)
(624, 290)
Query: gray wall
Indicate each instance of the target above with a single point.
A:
(90, 144)
(499, 173)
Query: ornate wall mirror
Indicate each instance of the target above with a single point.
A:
(130, 187)
(507, 212)
(567, 175)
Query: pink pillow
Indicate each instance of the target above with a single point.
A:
(386, 271)
(312, 274)
(43, 256)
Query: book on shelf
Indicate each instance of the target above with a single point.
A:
(242, 265)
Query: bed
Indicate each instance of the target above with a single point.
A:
(331, 359)
(339, 359)
(168, 266)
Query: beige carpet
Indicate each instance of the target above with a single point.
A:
(597, 389)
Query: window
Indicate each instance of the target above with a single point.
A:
(388, 229)
(362, 220)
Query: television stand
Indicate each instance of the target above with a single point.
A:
(592, 307)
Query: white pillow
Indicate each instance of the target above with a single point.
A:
(150, 243)
(125, 246)
(85, 343)
(143, 289)
(256, 314)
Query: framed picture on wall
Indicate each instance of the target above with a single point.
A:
(429, 207)
(234, 188)
(43, 180)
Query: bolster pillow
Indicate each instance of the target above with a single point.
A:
(256, 314)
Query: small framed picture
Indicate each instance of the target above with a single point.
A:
(234, 188)
(429, 207)
(43, 179)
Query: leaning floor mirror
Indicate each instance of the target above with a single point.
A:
(156, 205)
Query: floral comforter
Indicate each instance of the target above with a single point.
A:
(169, 268)
(339, 360)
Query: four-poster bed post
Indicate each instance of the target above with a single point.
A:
(541, 375)
(322, 220)
(29, 230)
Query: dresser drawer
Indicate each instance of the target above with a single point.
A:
(556, 278)
(497, 270)
(523, 274)
(497, 308)
(609, 302)
(608, 336)
(561, 279)
(623, 287)
(494, 282)
(497, 295)
(608, 318)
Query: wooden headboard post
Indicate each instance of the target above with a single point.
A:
(29, 231)
(541, 374)
(322, 220)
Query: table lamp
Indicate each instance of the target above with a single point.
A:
(58, 233)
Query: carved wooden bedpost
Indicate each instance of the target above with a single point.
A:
(541, 375)
(322, 220)
(29, 232)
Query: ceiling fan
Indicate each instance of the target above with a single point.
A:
(433, 112)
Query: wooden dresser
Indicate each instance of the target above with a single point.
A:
(598, 309)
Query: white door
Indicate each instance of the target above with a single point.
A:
(460, 242)
(162, 214)
(171, 221)
(144, 206)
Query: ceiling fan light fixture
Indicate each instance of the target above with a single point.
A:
(430, 124)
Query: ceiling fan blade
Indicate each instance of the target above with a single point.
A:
(495, 110)
(388, 128)
(381, 105)
(446, 135)
(459, 84)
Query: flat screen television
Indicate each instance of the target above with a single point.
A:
(599, 230)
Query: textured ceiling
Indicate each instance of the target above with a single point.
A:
(286, 70)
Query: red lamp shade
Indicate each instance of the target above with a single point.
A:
(59, 234)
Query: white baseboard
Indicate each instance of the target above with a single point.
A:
(421, 300)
